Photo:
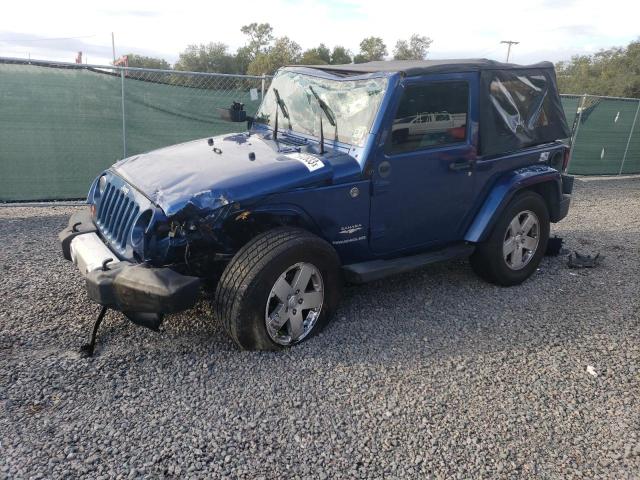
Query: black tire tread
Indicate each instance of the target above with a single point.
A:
(246, 265)
(483, 261)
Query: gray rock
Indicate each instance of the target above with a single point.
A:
(432, 374)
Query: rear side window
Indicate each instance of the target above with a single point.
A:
(430, 115)
(519, 108)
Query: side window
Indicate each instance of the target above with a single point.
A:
(430, 115)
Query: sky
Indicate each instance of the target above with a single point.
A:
(546, 29)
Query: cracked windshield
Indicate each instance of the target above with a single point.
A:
(352, 104)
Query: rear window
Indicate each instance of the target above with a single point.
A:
(519, 108)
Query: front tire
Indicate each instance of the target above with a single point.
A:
(517, 243)
(278, 290)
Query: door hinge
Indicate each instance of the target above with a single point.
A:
(377, 232)
(379, 186)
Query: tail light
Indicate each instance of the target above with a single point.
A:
(565, 159)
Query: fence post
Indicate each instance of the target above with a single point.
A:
(575, 132)
(262, 88)
(624, 157)
(124, 123)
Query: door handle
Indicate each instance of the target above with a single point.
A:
(456, 166)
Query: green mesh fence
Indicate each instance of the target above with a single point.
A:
(59, 127)
(606, 134)
(175, 108)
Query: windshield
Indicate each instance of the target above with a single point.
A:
(354, 104)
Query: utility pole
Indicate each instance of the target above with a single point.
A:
(113, 47)
(509, 42)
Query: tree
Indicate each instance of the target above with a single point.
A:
(142, 61)
(283, 52)
(310, 57)
(340, 55)
(320, 55)
(614, 72)
(211, 57)
(415, 49)
(359, 58)
(371, 48)
(260, 37)
(243, 59)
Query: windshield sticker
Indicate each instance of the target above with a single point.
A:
(358, 135)
(311, 162)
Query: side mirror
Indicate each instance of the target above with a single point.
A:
(235, 113)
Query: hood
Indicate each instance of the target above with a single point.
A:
(235, 168)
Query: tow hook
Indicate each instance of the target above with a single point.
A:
(105, 263)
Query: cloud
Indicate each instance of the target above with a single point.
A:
(546, 29)
(132, 13)
(63, 49)
(579, 30)
(558, 3)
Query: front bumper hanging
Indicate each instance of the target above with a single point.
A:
(132, 288)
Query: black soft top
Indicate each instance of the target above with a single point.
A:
(412, 68)
(519, 104)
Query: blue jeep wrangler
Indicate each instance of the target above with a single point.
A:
(347, 172)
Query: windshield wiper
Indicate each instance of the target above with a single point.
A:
(330, 116)
(280, 105)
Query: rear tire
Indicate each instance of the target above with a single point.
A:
(515, 247)
(278, 290)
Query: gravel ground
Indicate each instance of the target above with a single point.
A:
(430, 374)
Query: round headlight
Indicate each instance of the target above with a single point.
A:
(140, 226)
(102, 184)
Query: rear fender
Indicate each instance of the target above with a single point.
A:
(540, 178)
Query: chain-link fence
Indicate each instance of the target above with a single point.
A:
(606, 134)
(60, 124)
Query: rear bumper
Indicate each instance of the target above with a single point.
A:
(122, 285)
(567, 184)
(562, 208)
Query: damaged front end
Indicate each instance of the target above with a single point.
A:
(135, 259)
(161, 224)
(142, 292)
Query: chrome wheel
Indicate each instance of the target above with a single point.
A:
(294, 304)
(521, 240)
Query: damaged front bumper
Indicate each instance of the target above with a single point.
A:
(141, 292)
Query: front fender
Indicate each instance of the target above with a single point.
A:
(287, 210)
(504, 190)
(338, 213)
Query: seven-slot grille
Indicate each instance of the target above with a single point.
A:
(116, 214)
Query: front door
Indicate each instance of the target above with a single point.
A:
(423, 182)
